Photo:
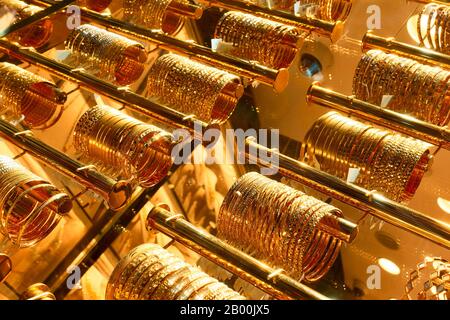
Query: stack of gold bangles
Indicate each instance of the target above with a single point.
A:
(30, 206)
(387, 162)
(23, 93)
(193, 88)
(150, 272)
(110, 56)
(154, 14)
(433, 27)
(434, 275)
(330, 10)
(280, 225)
(270, 43)
(123, 146)
(416, 89)
(35, 35)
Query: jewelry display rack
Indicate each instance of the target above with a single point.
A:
(123, 205)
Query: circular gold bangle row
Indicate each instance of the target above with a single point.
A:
(279, 225)
(111, 56)
(253, 38)
(149, 272)
(123, 146)
(193, 88)
(30, 206)
(417, 89)
(25, 94)
(388, 162)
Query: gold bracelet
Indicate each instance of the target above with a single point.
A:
(31, 206)
(149, 272)
(108, 55)
(123, 146)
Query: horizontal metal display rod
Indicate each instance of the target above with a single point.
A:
(116, 193)
(360, 198)
(371, 41)
(36, 17)
(278, 79)
(130, 99)
(333, 30)
(237, 262)
(185, 10)
(408, 125)
(6, 266)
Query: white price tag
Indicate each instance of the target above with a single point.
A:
(385, 100)
(352, 175)
(215, 43)
(62, 55)
(297, 8)
(98, 100)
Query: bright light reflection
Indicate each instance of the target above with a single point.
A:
(389, 266)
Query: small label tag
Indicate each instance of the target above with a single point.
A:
(315, 163)
(62, 55)
(385, 100)
(98, 100)
(215, 44)
(255, 84)
(297, 8)
(352, 175)
(220, 46)
(307, 10)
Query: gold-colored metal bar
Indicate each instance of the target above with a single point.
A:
(246, 267)
(130, 99)
(185, 10)
(57, 6)
(439, 136)
(371, 41)
(360, 198)
(339, 228)
(116, 193)
(5, 266)
(278, 79)
(333, 30)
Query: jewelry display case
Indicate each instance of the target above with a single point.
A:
(224, 149)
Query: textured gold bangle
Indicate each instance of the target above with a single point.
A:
(107, 55)
(31, 207)
(275, 223)
(123, 146)
(23, 93)
(270, 43)
(330, 10)
(417, 89)
(388, 162)
(154, 14)
(193, 88)
(149, 272)
(434, 275)
(436, 19)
